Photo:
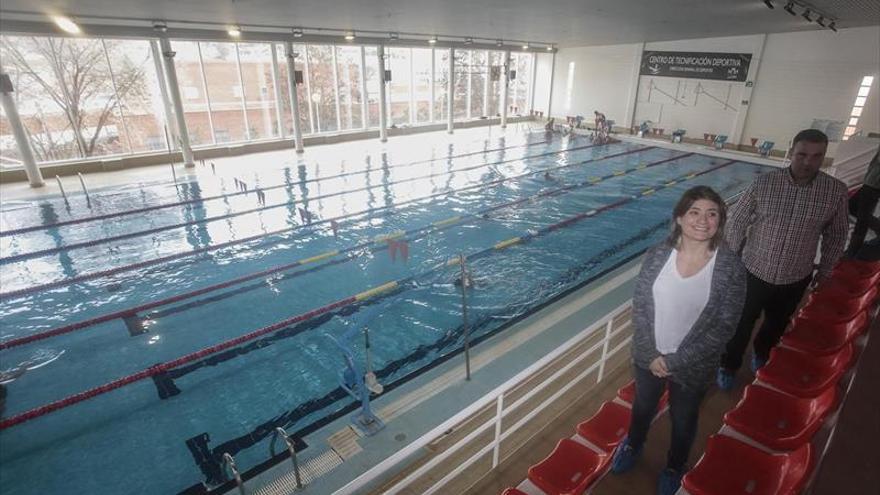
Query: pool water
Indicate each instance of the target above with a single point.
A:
(131, 440)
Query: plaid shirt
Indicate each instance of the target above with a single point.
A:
(780, 224)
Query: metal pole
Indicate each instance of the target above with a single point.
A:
(208, 107)
(35, 177)
(116, 92)
(433, 65)
(294, 97)
(505, 90)
(247, 123)
(552, 76)
(277, 88)
(174, 90)
(363, 75)
(383, 112)
(336, 88)
(464, 317)
(450, 95)
(163, 87)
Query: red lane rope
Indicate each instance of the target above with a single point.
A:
(74, 221)
(162, 259)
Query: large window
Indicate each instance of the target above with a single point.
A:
(225, 92)
(371, 74)
(478, 79)
(322, 89)
(460, 107)
(421, 87)
(495, 84)
(302, 94)
(348, 63)
(259, 90)
(441, 83)
(520, 87)
(399, 97)
(187, 63)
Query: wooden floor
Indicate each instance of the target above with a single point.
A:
(643, 478)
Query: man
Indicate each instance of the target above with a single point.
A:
(866, 202)
(776, 227)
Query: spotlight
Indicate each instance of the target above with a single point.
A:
(297, 33)
(821, 21)
(499, 43)
(789, 7)
(394, 36)
(525, 46)
(66, 24)
(769, 4)
(806, 15)
(234, 31)
(832, 26)
(349, 36)
(433, 40)
(549, 48)
(160, 26)
(468, 41)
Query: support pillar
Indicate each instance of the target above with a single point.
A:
(450, 91)
(174, 93)
(294, 98)
(35, 177)
(383, 111)
(505, 90)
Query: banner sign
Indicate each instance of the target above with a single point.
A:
(697, 65)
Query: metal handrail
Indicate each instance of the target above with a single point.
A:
(496, 396)
(229, 462)
(291, 447)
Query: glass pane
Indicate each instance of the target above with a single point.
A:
(860, 101)
(864, 90)
(259, 89)
(224, 91)
(421, 59)
(854, 121)
(139, 94)
(399, 87)
(856, 112)
(323, 92)
(65, 96)
(441, 83)
(372, 77)
(192, 92)
(867, 80)
(348, 60)
(459, 103)
(478, 76)
(495, 71)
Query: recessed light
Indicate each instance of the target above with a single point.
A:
(349, 36)
(234, 31)
(66, 24)
(468, 41)
(297, 32)
(433, 40)
(499, 43)
(526, 46)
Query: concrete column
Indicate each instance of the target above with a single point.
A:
(383, 112)
(634, 78)
(742, 115)
(451, 91)
(277, 89)
(174, 92)
(552, 76)
(505, 90)
(35, 178)
(294, 98)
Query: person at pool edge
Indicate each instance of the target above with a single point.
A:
(686, 304)
(776, 227)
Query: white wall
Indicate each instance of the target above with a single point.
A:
(812, 75)
(596, 78)
(797, 77)
(544, 68)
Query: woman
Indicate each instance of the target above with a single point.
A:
(687, 303)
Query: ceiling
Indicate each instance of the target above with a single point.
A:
(564, 22)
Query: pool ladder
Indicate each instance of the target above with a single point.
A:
(229, 462)
(291, 447)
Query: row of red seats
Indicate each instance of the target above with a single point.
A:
(573, 465)
(802, 375)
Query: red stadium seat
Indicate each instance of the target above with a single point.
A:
(569, 469)
(850, 268)
(627, 393)
(802, 374)
(832, 310)
(778, 420)
(607, 427)
(512, 491)
(846, 288)
(820, 337)
(731, 467)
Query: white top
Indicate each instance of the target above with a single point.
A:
(678, 302)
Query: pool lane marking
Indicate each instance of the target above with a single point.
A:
(383, 289)
(73, 221)
(140, 233)
(215, 247)
(378, 240)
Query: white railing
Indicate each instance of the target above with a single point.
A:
(386, 467)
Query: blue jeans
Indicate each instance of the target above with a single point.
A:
(684, 408)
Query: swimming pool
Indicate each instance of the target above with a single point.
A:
(109, 294)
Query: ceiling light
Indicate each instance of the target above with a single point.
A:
(349, 36)
(820, 21)
(768, 4)
(66, 24)
(468, 41)
(806, 15)
(525, 46)
(234, 31)
(499, 43)
(433, 40)
(160, 26)
(394, 36)
(297, 33)
(832, 26)
(549, 48)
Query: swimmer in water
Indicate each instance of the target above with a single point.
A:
(467, 280)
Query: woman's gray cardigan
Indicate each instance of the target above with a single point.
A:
(697, 359)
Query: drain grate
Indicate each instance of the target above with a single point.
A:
(309, 471)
